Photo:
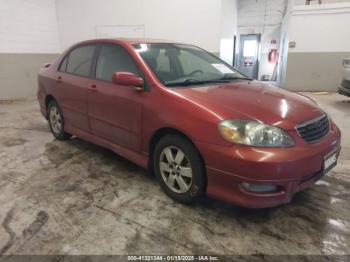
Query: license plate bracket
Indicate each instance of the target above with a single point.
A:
(329, 161)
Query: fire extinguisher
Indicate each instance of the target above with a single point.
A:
(273, 56)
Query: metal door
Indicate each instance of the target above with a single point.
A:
(249, 55)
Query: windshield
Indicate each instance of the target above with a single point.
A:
(185, 65)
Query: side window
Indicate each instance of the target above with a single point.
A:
(163, 63)
(160, 63)
(113, 58)
(63, 66)
(79, 60)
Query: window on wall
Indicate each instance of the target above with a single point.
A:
(250, 48)
(111, 59)
(80, 60)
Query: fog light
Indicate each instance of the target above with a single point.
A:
(259, 188)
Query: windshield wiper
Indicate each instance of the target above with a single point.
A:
(235, 78)
(191, 81)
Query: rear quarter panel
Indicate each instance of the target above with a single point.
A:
(46, 83)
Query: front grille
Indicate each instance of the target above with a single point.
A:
(313, 130)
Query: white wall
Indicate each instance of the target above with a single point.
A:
(320, 28)
(228, 29)
(28, 26)
(262, 17)
(315, 2)
(196, 21)
(322, 37)
(28, 39)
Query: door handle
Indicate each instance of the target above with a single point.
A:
(93, 88)
(59, 79)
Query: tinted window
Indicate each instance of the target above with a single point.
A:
(192, 63)
(113, 58)
(63, 66)
(79, 60)
(176, 63)
(163, 63)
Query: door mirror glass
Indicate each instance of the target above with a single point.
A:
(127, 79)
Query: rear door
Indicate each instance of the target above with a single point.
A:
(115, 110)
(72, 85)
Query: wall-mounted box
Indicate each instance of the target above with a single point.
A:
(292, 44)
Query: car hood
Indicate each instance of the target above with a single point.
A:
(253, 100)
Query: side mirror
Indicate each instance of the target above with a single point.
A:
(127, 79)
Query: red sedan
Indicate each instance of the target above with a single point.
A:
(200, 125)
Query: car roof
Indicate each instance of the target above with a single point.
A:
(128, 40)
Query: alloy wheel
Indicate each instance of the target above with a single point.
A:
(55, 120)
(175, 169)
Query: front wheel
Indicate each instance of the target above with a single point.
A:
(179, 169)
(56, 122)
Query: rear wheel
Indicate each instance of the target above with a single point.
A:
(56, 121)
(179, 169)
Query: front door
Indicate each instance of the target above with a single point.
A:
(249, 55)
(115, 111)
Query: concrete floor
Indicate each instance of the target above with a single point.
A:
(77, 198)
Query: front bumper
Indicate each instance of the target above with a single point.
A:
(290, 169)
(345, 88)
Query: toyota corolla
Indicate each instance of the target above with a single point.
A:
(201, 126)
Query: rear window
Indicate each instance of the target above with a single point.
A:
(63, 66)
(79, 61)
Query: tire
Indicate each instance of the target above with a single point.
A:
(179, 169)
(56, 121)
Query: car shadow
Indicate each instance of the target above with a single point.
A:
(342, 105)
(299, 225)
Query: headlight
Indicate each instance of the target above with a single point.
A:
(254, 133)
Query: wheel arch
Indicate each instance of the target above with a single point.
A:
(170, 131)
(48, 99)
